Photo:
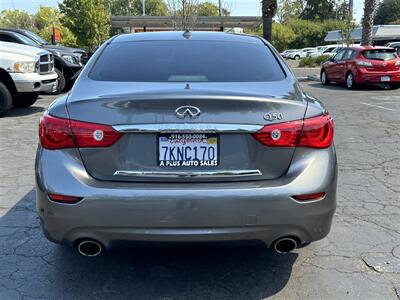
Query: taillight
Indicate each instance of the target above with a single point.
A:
(60, 133)
(65, 199)
(314, 132)
(309, 197)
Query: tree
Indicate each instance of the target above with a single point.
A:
(210, 9)
(388, 12)
(135, 7)
(89, 20)
(319, 10)
(269, 8)
(16, 19)
(346, 29)
(183, 13)
(282, 36)
(289, 9)
(367, 22)
(45, 19)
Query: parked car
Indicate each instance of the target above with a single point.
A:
(395, 45)
(68, 61)
(326, 50)
(299, 54)
(163, 138)
(24, 72)
(285, 54)
(358, 65)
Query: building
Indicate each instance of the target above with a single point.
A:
(381, 34)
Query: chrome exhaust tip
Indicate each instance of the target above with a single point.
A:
(285, 245)
(90, 248)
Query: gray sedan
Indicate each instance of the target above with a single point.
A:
(186, 137)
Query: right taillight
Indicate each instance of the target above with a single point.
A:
(316, 132)
(60, 133)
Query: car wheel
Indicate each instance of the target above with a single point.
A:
(350, 81)
(395, 86)
(324, 78)
(60, 82)
(25, 99)
(5, 99)
(297, 57)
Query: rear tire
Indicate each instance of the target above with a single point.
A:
(5, 99)
(61, 81)
(351, 85)
(297, 57)
(324, 78)
(25, 99)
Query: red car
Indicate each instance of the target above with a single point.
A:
(359, 65)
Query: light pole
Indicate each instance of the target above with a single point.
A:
(144, 7)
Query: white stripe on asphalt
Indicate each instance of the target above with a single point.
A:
(378, 106)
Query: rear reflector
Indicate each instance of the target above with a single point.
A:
(309, 197)
(65, 199)
(60, 133)
(314, 132)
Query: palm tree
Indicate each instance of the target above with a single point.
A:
(367, 22)
(269, 8)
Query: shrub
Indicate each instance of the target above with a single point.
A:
(313, 61)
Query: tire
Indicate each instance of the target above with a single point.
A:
(351, 85)
(5, 99)
(297, 57)
(25, 99)
(324, 78)
(60, 83)
(395, 86)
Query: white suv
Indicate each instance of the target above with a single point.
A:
(24, 72)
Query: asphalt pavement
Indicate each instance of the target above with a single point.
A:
(360, 258)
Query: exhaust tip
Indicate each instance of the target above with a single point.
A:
(285, 245)
(90, 248)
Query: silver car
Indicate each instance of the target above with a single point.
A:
(186, 137)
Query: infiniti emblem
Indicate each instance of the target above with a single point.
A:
(187, 110)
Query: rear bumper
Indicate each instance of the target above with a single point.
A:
(189, 212)
(376, 77)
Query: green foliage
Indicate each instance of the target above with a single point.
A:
(309, 34)
(210, 9)
(89, 20)
(45, 19)
(135, 8)
(282, 36)
(16, 19)
(313, 61)
(388, 12)
(319, 10)
(289, 9)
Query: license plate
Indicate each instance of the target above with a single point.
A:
(188, 150)
(385, 78)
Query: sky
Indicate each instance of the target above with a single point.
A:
(237, 7)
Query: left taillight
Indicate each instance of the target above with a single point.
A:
(60, 133)
(316, 132)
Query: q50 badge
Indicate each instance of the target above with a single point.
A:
(273, 116)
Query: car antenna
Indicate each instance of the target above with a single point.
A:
(187, 34)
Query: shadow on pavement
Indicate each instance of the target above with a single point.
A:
(337, 86)
(34, 267)
(20, 112)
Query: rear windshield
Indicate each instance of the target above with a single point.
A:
(187, 61)
(381, 54)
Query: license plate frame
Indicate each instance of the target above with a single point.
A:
(192, 139)
(385, 78)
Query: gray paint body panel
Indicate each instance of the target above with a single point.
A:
(190, 208)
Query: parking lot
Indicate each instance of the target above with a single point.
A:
(360, 258)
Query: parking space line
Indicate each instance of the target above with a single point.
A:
(378, 106)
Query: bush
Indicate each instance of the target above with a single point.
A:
(313, 61)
